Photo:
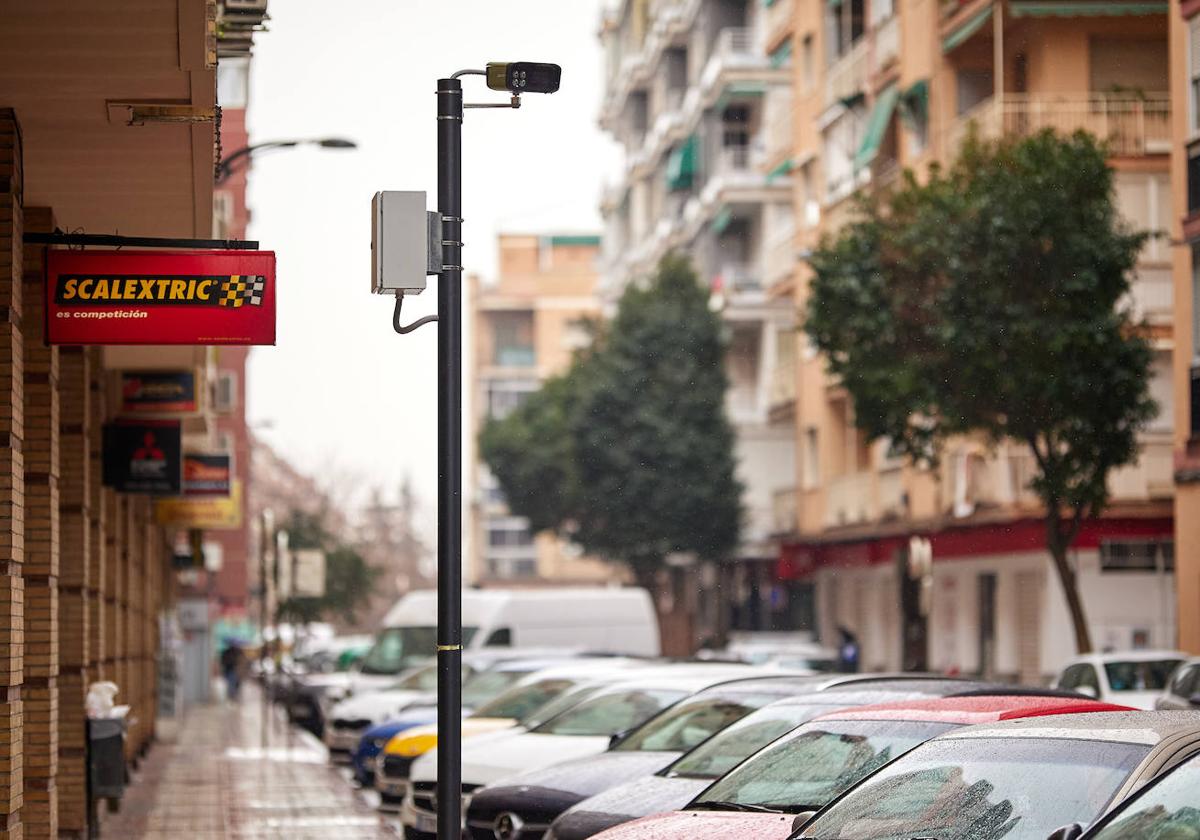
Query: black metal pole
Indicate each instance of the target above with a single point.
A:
(449, 582)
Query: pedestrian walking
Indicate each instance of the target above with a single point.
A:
(848, 651)
(231, 669)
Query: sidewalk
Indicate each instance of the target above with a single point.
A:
(218, 781)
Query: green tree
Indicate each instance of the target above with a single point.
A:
(989, 300)
(630, 452)
(348, 577)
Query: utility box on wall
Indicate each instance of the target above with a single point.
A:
(402, 241)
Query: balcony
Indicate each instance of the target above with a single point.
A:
(738, 279)
(848, 75)
(1151, 477)
(778, 127)
(886, 48)
(735, 56)
(1152, 295)
(1132, 126)
(783, 510)
(779, 19)
(848, 500)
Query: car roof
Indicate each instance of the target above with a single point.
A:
(1135, 727)
(975, 709)
(1126, 656)
(782, 684)
(681, 677)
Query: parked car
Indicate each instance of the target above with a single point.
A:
(538, 796)
(538, 697)
(611, 620)
(1183, 691)
(1020, 780)
(1167, 808)
(1134, 678)
(395, 712)
(586, 729)
(679, 782)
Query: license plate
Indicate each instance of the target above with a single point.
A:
(426, 824)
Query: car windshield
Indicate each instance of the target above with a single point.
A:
(730, 747)
(419, 679)
(609, 714)
(1168, 810)
(686, 724)
(485, 685)
(983, 789)
(399, 648)
(817, 763)
(523, 700)
(1150, 675)
(568, 699)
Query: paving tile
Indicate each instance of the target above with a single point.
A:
(223, 780)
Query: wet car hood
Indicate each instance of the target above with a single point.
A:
(705, 825)
(638, 798)
(498, 755)
(541, 795)
(377, 706)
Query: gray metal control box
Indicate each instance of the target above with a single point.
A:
(400, 240)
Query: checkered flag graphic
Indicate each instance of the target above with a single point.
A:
(242, 289)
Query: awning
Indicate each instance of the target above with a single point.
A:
(721, 220)
(877, 126)
(914, 104)
(681, 165)
(966, 29)
(782, 54)
(779, 171)
(1069, 8)
(735, 89)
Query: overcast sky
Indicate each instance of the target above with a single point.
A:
(341, 395)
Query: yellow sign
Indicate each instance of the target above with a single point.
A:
(211, 513)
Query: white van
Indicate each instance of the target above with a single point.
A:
(596, 619)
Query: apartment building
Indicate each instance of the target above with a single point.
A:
(525, 326)
(701, 106)
(879, 86)
(1184, 228)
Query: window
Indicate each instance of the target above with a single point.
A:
(974, 86)
(513, 533)
(506, 395)
(233, 82)
(521, 701)
(500, 637)
(686, 724)
(609, 714)
(1137, 555)
(226, 391)
(1081, 676)
(1166, 809)
(806, 63)
(811, 465)
(512, 339)
(1142, 675)
(1186, 682)
(730, 747)
(1194, 75)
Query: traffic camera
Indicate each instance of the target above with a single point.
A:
(523, 76)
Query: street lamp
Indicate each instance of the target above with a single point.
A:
(516, 78)
(225, 168)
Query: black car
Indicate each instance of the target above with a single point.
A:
(676, 784)
(533, 800)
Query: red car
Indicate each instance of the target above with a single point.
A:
(802, 771)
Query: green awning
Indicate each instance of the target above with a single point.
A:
(1069, 8)
(834, 4)
(779, 171)
(769, 3)
(966, 29)
(681, 165)
(735, 89)
(877, 126)
(575, 239)
(782, 54)
(914, 104)
(721, 220)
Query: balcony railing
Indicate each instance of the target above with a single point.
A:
(1132, 126)
(887, 44)
(783, 510)
(1152, 294)
(734, 47)
(736, 278)
(1151, 477)
(848, 75)
(848, 500)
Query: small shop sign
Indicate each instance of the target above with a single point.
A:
(144, 456)
(160, 297)
(159, 392)
(207, 475)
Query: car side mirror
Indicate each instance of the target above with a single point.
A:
(616, 737)
(802, 819)
(1087, 691)
(1067, 832)
(1195, 699)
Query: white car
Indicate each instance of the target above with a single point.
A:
(584, 730)
(1132, 678)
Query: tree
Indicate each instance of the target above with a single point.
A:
(349, 579)
(629, 452)
(990, 300)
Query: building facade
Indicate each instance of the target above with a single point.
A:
(882, 86)
(1184, 231)
(525, 327)
(104, 129)
(749, 128)
(699, 105)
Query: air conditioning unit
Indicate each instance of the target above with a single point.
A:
(225, 392)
